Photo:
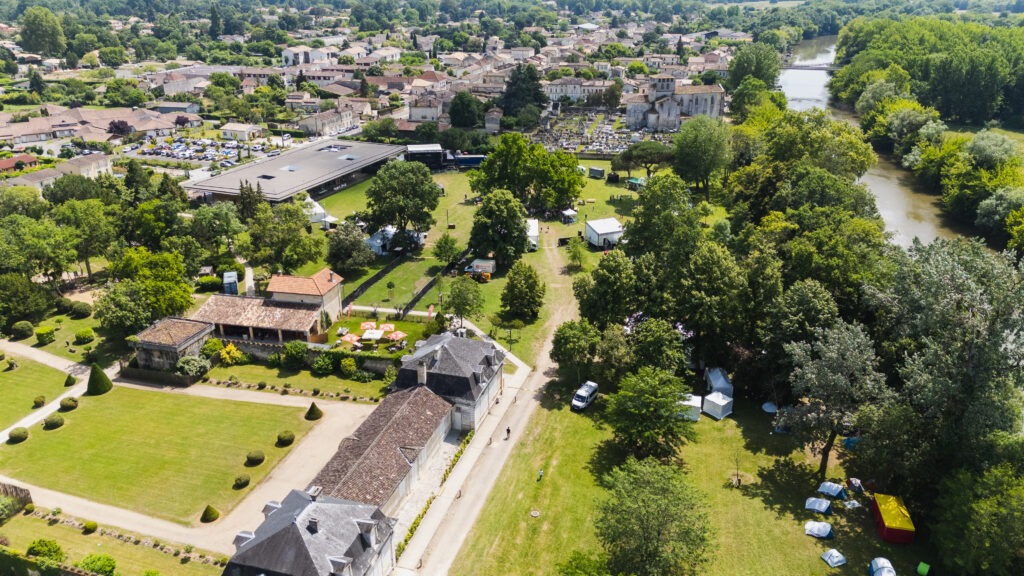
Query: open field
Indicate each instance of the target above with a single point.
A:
(132, 559)
(166, 455)
(20, 386)
(758, 528)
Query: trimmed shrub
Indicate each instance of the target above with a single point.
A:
(46, 548)
(80, 310)
(30, 508)
(284, 438)
(255, 458)
(68, 404)
(99, 383)
(241, 481)
(323, 365)
(230, 355)
(70, 381)
(20, 434)
(209, 514)
(212, 347)
(103, 564)
(46, 335)
(194, 366)
(314, 412)
(208, 284)
(84, 336)
(64, 305)
(53, 421)
(261, 385)
(21, 330)
(390, 374)
(89, 527)
(294, 355)
(348, 367)
(39, 402)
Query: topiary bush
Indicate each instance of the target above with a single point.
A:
(53, 421)
(99, 383)
(210, 514)
(84, 336)
(39, 402)
(241, 481)
(80, 310)
(21, 330)
(70, 381)
(314, 412)
(17, 435)
(254, 458)
(68, 404)
(285, 438)
(89, 527)
(212, 347)
(46, 335)
(208, 284)
(46, 548)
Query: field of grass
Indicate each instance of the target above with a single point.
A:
(343, 203)
(65, 347)
(132, 559)
(161, 454)
(20, 386)
(758, 528)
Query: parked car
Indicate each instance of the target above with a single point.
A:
(585, 396)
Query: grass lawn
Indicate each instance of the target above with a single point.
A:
(300, 380)
(343, 203)
(132, 559)
(65, 347)
(413, 329)
(166, 455)
(20, 386)
(758, 528)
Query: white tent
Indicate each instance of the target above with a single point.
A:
(691, 407)
(818, 505)
(717, 405)
(881, 567)
(718, 381)
(832, 489)
(533, 232)
(819, 530)
(833, 558)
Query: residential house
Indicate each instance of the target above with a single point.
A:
(322, 289)
(387, 54)
(160, 346)
(310, 534)
(302, 101)
(492, 120)
(328, 123)
(240, 132)
(18, 162)
(177, 107)
(295, 55)
(467, 373)
(575, 89)
(425, 109)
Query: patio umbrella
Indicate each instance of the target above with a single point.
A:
(396, 336)
(368, 325)
(350, 338)
(389, 327)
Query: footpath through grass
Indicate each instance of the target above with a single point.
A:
(758, 527)
(20, 386)
(166, 455)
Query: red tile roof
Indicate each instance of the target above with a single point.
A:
(318, 284)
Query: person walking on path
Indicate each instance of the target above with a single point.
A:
(540, 475)
(508, 432)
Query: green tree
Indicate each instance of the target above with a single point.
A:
(661, 211)
(249, 199)
(533, 175)
(607, 296)
(523, 295)
(347, 250)
(215, 225)
(522, 89)
(701, 150)
(21, 299)
(645, 413)
(24, 200)
(655, 342)
(41, 32)
(151, 286)
(710, 299)
(45, 548)
(653, 522)
(759, 60)
(1015, 228)
(103, 564)
(447, 250)
(577, 250)
(33, 247)
(466, 111)
(465, 299)
(35, 81)
(574, 346)
(499, 228)
(651, 155)
(615, 355)
(113, 56)
(403, 194)
(91, 228)
(99, 383)
(278, 238)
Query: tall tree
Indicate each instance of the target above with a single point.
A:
(403, 194)
(499, 228)
(574, 346)
(278, 238)
(347, 250)
(92, 228)
(710, 299)
(447, 250)
(41, 32)
(214, 226)
(465, 110)
(522, 89)
(650, 155)
(701, 150)
(645, 414)
(533, 175)
(523, 295)
(465, 299)
(607, 296)
(759, 60)
(249, 199)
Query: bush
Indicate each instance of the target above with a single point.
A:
(231, 266)
(45, 548)
(99, 383)
(323, 365)
(89, 527)
(261, 385)
(80, 310)
(70, 381)
(254, 458)
(193, 366)
(212, 347)
(348, 367)
(53, 421)
(314, 412)
(103, 564)
(294, 355)
(241, 481)
(17, 435)
(64, 305)
(21, 330)
(363, 376)
(274, 360)
(46, 335)
(30, 508)
(209, 515)
(390, 374)
(230, 355)
(39, 402)
(84, 336)
(208, 284)
(284, 438)
(68, 404)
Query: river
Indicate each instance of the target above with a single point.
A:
(908, 212)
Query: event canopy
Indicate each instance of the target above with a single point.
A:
(818, 505)
(368, 325)
(373, 335)
(819, 530)
(881, 567)
(893, 519)
(691, 407)
(833, 558)
(717, 405)
(389, 327)
(396, 336)
(832, 489)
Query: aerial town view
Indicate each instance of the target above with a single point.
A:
(511, 287)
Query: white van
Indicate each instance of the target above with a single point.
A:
(585, 396)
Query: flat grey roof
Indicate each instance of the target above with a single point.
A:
(304, 168)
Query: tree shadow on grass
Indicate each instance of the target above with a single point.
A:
(607, 456)
(756, 428)
(784, 487)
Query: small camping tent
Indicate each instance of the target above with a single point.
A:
(833, 558)
(881, 567)
(819, 530)
(832, 489)
(691, 407)
(818, 505)
(893, 519)
(718, 381)
(717, 405)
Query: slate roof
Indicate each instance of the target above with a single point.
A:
(173, 332)
(257, 313)
(371, 463)
(456, 367)
(286, 544)
(318, 284)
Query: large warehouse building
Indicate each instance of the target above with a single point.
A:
(317, 168)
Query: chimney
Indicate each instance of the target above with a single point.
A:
(314, 492)
(421, 372)
(330, 277)
(243, 538)
(271, 507)
(313, 525)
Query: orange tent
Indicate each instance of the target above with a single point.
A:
(893, 519)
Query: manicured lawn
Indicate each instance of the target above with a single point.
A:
(408, 278)
(253, 374)
(20, 386)
(65, 347)
(162, 454)
(413, 329)
(132, 559)
(758, 528)
(343, 203)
